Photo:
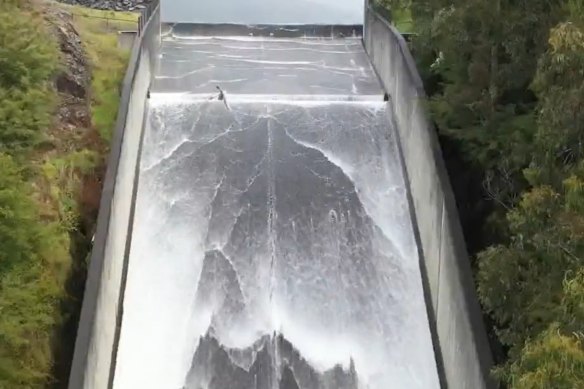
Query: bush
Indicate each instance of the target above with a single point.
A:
(28, 60)
(521, 284)
(28, 56)
(18, 228)
(24, 114)
(33, 253)
(23, 348)
(553, 360)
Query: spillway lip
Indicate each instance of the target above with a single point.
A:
(185, 97)
(304, 40)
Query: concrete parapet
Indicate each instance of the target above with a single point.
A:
(98, 332)
(461, 344)
(126, 39)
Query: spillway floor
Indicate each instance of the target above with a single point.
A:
(272, 244)
(267, 66)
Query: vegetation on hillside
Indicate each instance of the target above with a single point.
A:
(28, 59)
(506, 90)
(43, 170)
(98, 30)
(30, 269)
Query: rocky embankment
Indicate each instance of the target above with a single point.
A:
(114, 5)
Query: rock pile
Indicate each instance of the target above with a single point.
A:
(72, 81)
(114, 5)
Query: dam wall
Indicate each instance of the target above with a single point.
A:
(460, 342)
(462, 345)
(98, 332)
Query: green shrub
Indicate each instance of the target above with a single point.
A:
(34, 264)
(24, 115)
(24, 305)
(17, 216)
(28, 55)
(522, 284)
(553, 360)
(34, 258)
(28, 60)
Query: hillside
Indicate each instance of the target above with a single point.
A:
(57, 108)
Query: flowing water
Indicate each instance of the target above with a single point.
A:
(272, 244)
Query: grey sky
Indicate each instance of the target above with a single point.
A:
(264, 11)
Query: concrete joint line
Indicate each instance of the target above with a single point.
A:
(441, 237)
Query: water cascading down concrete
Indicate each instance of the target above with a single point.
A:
(272, 243)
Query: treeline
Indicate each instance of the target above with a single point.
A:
(505, 80)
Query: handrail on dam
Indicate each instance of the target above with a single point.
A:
(462, 345)
(94, 351)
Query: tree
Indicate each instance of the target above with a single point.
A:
(511, 101)
(553, 360)
(521, 284)
(482, 53)
(559, 84)
(534, 286)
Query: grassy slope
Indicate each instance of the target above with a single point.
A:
(98, 30)
(30, 269)
(39, 212)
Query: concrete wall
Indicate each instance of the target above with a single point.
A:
(126, 39)
(98, 332)
(463, 352)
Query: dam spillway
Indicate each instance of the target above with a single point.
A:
(272, 243)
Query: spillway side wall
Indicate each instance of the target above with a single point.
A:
(461, 343)
(98, 330)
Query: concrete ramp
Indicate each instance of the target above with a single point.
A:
(299, 68)
(272, 243)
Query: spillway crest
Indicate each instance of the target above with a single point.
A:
(272, 244)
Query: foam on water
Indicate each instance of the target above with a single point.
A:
(178, 98)
(274, 217)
